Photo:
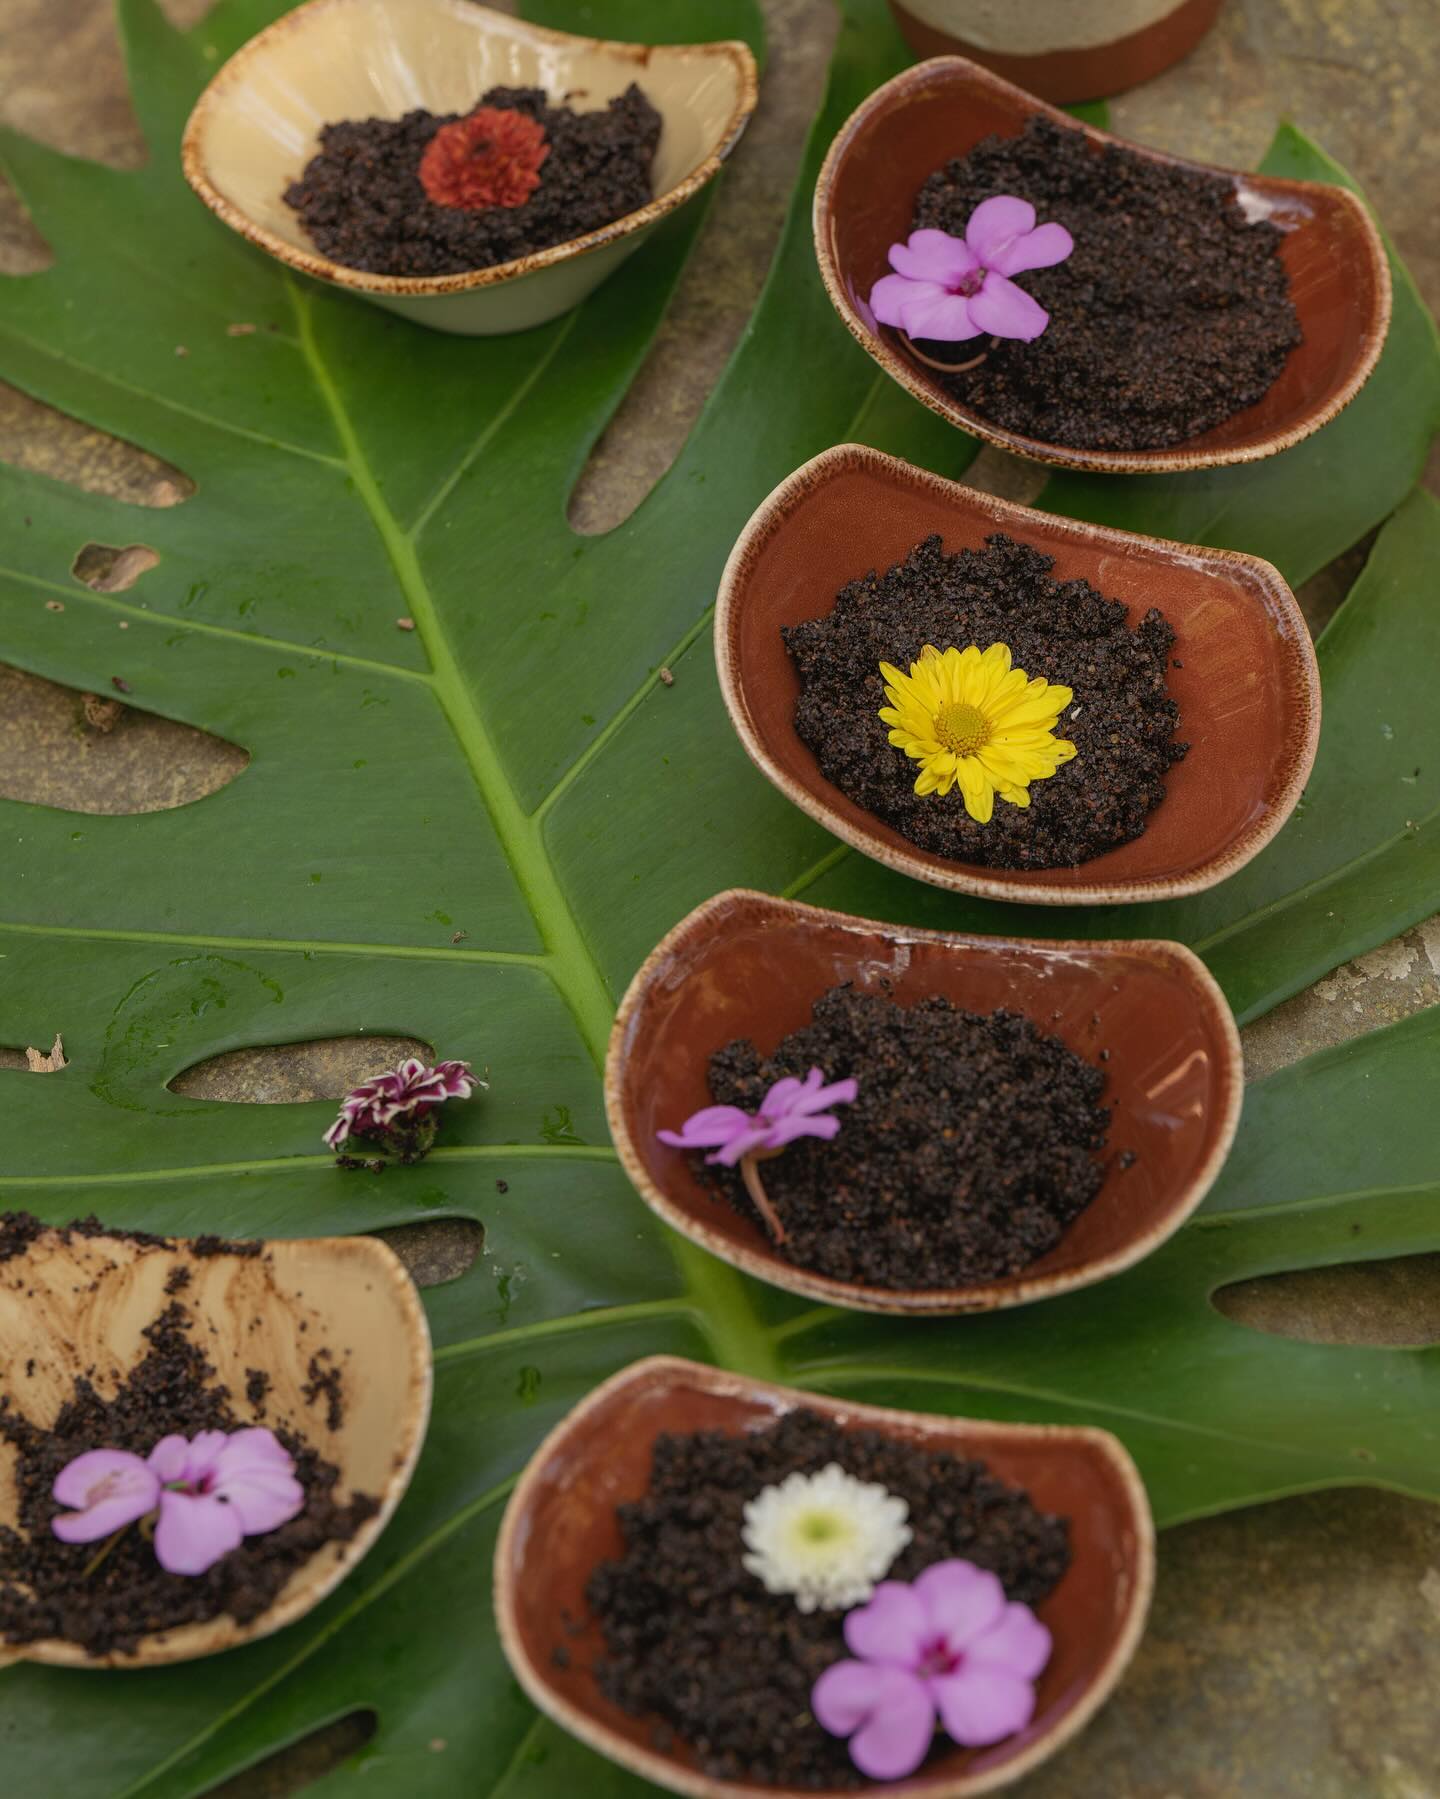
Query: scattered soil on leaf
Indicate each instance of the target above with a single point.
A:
(1121, 718)
(1172, 314)
(361, 201)
(969, 1149)
(696, 1642)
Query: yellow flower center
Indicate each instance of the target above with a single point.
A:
(962, 728)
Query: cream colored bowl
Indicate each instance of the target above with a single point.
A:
(258, 123)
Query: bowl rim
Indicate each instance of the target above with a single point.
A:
(193, 160)
(919, 1302)
(652, 1765)
(152, 1650)
(1176, 459)
(771, 516)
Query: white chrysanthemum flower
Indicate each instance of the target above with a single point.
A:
(826, 1537)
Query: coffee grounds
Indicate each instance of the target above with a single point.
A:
(361, 201)
(1172, 314)
(44, 1589)
(1120, 719)
(19, 1230)
(695, 1641)
(969, 1149)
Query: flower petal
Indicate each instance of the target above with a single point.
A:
(109, 1488)
(892, 1628)
(707, 1127)
(818, 1095)
(1019, 1644)
(261, 1498)
(960, 1600)
(976, 789)
(1005, 310)
(995, 224)
(169, 1458)
(982, 1705)
(757, 1137)
(786, 1130)
(886, 1712)
(1037, 249)
(934, 256)
(194, 1531)
(936, 313)
(892, 293)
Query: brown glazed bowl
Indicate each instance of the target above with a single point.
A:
(560, 1524)
(747, 965)
(1248, 690)
(77, 1305)
(1339, 276)
(1082, 50)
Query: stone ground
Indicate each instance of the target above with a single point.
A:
(1294, 1650)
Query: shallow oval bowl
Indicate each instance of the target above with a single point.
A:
(77, 1305)
(864, 202)
(747, 965)
(560, 1523)
(1248, 690)
(258, 123)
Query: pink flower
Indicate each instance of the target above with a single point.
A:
(210, 1492)
(949, 1643)
(789, 1110)
(400, 1097)
(951, 288)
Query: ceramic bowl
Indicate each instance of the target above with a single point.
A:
(258, 123)
(1085, 50)
(747, 965)
(77, 1305)
(1248, 688)
(864, 200)
(561, 1522)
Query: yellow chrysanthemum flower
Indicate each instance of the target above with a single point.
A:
(975, 722)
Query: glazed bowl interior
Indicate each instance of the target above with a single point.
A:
(1244, 672)
(864, 202)
(259, 122)
(561, 1524)
(747, 965)
(78, 1305)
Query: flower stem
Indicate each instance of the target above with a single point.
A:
(103, 1551)
(750, 1174)
(945, 368)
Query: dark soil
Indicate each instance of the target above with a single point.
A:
(1172, 314)
(44, 1590)
(1120, 720)
(695, 1641)
(968, 1151)
(361, 201)
(18, 1230)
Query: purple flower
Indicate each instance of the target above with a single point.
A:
(951, 288)
(210, 1492)
(790, 1109)
(949, 1643)
(399, 1098)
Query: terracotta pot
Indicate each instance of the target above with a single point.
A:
(1074, 50)
(258, 123)
(561, 1522)
(79, 1306)
(882, 155)
(1248, 690)
(747, 965)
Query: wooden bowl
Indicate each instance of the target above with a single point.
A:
(258, 123)
(1248, 691)
(864, 201)
(747, 965)
(77, 1305)
(560, 1524)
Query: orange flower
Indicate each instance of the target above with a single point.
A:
(491, 157)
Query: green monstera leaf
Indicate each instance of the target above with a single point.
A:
(514, 770)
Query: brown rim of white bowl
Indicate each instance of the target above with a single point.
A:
(663, 1770)
(322, 268)
(1175, 460)
(919, 1302)
(972, 878)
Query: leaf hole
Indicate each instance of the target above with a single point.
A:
(280, 1074)
(100, 753)
(1391, 1303)
(44, 441)
(436, 1250)
(109, 568)
(300, 1764)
